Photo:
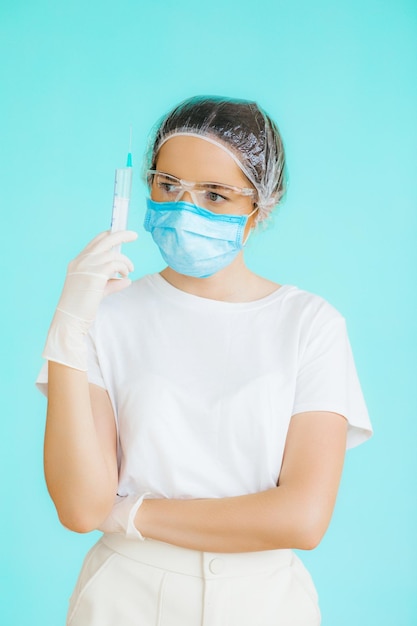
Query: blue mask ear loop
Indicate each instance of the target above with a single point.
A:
(250, 231)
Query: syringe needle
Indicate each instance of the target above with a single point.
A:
(129, 154)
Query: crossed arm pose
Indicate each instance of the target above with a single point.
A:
(81, 473)
(80, 445)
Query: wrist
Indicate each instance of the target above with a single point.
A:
(142, 518)
(65, 342)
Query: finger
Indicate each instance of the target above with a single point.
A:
(125, 259)
(116, 266)
(114, 239)
(96, 262)
(95, 241)
(116, 284)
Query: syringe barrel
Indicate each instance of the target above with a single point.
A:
(121, 198)
(123, 182)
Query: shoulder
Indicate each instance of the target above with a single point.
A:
(307, 306)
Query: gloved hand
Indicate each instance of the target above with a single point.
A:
(89, 278)
(121, 518)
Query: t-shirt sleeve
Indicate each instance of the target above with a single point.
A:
(94, 372)
(327, 379)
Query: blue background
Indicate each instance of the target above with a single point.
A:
(340, 79)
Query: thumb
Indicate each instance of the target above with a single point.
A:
(116, 284)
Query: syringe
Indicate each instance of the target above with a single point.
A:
(121, 196)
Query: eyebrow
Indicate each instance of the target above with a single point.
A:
(215, 185)
(209, 184)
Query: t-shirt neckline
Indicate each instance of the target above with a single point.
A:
(184, 297)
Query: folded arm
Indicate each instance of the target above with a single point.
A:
(80, 449)
(295, 514)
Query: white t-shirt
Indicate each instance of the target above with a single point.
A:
(203, 391)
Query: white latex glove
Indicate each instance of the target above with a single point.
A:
(88, 280)
(121, 518)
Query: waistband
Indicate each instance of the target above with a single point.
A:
(195, 563)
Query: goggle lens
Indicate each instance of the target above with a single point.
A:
(214, 197)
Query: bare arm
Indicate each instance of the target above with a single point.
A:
(80, 439)
(80, 449)
(295, 514)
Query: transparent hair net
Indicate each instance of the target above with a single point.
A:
(243, 129)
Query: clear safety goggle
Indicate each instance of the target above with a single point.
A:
(215, 197)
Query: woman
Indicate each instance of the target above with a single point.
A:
(215, 403)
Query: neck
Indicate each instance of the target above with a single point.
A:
(234, 283)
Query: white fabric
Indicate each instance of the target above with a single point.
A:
(149, 583)
(203, 391)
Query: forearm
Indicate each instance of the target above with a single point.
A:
(295, 514)
(277, 518)
(80, 478)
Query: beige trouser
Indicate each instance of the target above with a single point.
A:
(131, 583)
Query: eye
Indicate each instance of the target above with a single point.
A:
(167, 187)
(215, 198)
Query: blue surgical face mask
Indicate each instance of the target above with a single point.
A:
(192, 240)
